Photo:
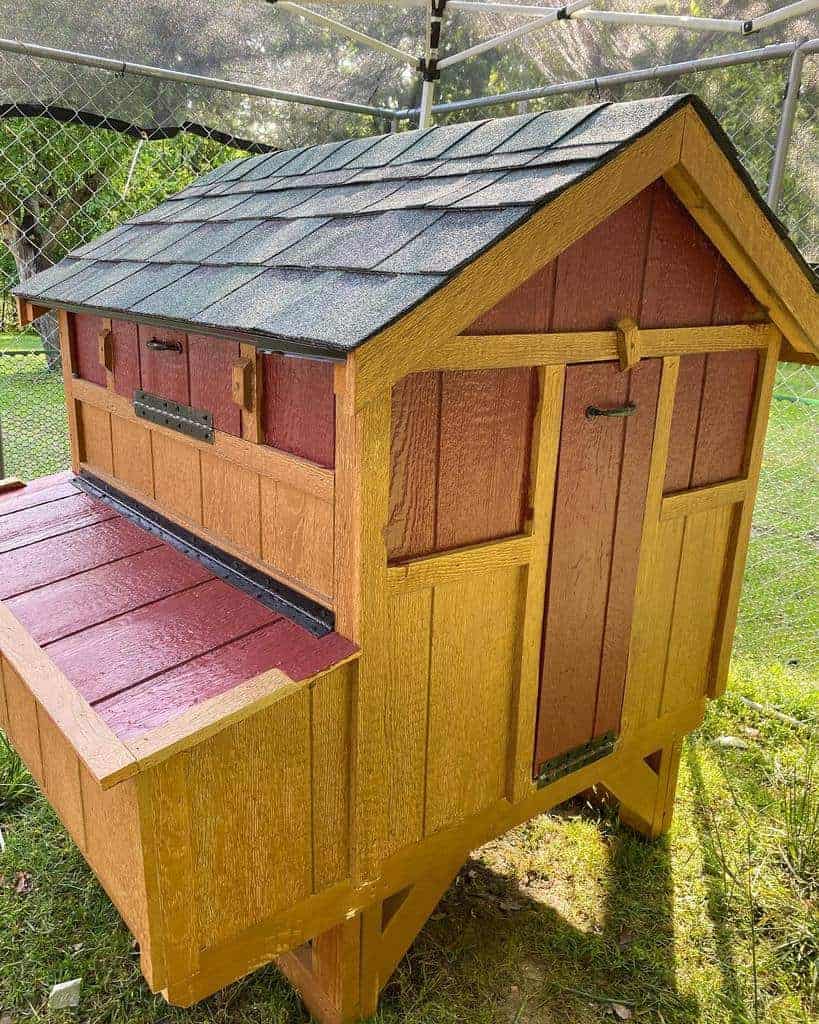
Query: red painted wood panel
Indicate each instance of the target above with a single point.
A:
(528, 309)
(126, 357)
(725, 417)
(117, 654)
(733, 303)
(60, 609)
(86, 348)
(644, 389)
(483, 458)
(211, 376)
(684, 422)
(281, 645)
(164, 373)
(681, 267)
(298, 407)
(416, 407)
(32, 495)
(44, 521)
(600, 277)
(599, 504)
(60, 557)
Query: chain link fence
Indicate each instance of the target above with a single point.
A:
(63, 181)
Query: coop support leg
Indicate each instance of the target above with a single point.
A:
(646, 788)
(340, 974)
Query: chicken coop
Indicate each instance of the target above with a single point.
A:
(411, 490)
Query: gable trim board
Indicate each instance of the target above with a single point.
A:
(682, 142)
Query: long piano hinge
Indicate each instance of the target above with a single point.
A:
(573, 760)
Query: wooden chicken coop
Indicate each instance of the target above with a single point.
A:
(411, 490)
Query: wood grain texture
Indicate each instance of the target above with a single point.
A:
(21, 712)
(48, 561)
(252, 416)
(330, 723)
(70, 606)
(37, 492)
(484, 452)
(62, 779)
(230, 796)
(681, 267)
(298, 407)
(231, 503)
(474, 663)
(684, 423)
(416, 411)
(460, 453)
(164, 373)
(210, 362)
(599, 502)
(87, 329)
(297, 535)
(527, 308)
(725, 415)
(67, 362)
(347, 506)
(95, 437)
(600, 277)
(126, 357)
(177, 476)
(44, 521)
(108, 658)
(133, 459)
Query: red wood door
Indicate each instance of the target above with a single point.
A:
(602, 476)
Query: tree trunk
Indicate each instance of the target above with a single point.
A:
(26, 244)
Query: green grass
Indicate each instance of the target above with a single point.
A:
(554, 922)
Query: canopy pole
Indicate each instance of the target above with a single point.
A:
(785, 133)
(345, 30)
(430, 67)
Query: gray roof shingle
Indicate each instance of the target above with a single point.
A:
(317, 249)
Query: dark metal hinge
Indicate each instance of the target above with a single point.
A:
(573, 760)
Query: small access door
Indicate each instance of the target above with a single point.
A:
(602, 476)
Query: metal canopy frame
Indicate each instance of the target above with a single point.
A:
(430, 65)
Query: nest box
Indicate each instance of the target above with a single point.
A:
(412, 484)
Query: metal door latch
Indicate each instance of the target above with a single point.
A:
(628, 409)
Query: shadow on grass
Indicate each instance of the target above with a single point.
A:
(497, 951)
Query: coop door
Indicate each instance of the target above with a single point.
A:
(602, 476)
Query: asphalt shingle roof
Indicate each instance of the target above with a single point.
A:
(317, 249)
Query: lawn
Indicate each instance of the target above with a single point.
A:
(570, 918)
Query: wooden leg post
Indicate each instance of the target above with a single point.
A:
(340, 974)
(646, 790)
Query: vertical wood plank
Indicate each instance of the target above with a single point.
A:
(585, 515)
(297, 535)
(270, 810)
(416, 404)
(24, 731)
(733, 303)
(474, 664)
(87, 364)
(132, 454)
(600, 276)
(738, 548)
(61, 778)
(642, 674)
(331, 708)
(66, 323)
(126, 358)
(696, 602)
(684, 424)
(681, 267)
(164, 373)
(347, 506)
(95, 435)
(4, 714)
(177, 476)
(211, 363)
(298, 407)
(546, 439)
(231, 502)
(644, 386)
(526, 309)
(728, 396)
(484, 453)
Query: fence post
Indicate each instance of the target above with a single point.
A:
(785, 133)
